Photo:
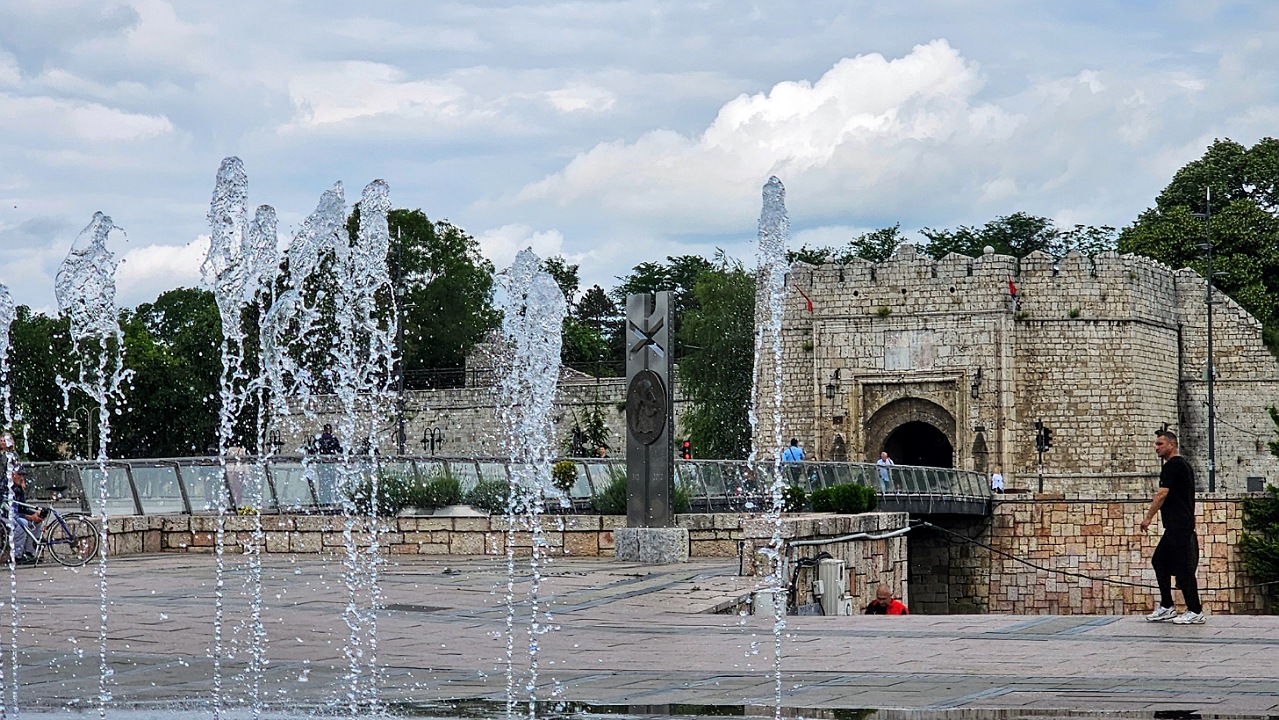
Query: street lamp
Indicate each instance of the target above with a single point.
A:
(833, 386)
(399, 341)
(432, 438)
(1210, 373)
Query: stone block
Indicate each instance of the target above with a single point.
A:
(582, 544)
(305, 542)
(203, 539)
(652, 546)
(612, 522)
(433, 549)
(277, 542)
(471, 524)
(177, 540)
(467, 543)
(712, 548)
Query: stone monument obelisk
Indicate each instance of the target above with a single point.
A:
(650, 535)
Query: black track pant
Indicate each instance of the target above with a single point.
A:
(1177, 555)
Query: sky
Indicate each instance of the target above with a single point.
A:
(608, 132)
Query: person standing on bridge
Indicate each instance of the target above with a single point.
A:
(1178, 551)
(884, 462)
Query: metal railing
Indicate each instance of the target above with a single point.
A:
(310, 484)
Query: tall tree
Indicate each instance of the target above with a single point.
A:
(172, 347)
(448, 289)
(716, 369)
(1018, 235)
(876, 246)
(40, 352)
(1245, 225)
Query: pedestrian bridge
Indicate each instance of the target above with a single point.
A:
(309, 484)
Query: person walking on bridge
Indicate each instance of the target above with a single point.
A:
(1178, 551)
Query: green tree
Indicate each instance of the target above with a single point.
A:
(1259, 542)
(876, 246)
(40, 352)
(448, 291)
(1018, 235)
(716, 368)
(1245, 226)
(173, 347)
(584, 346)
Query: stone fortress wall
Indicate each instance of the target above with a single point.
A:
(1105, 351)
(467, 417)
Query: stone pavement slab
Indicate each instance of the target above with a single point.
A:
(619, 634)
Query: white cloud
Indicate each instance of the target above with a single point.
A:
(577, 97)
(146, 271)
(84, 121)
(862, 123)
(351, 90)
(500, 244)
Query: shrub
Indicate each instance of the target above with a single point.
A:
(794, 498)
(564, 476)
(393, 494)
(492, 496)
(611, 500)
(443, 490)
(847, 499)
(1260, 541)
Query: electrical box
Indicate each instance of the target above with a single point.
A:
(832, 579)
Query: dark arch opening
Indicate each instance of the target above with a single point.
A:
(918, 443)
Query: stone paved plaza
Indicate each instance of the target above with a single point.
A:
(628, 635)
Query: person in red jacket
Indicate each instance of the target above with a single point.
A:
(885, 604)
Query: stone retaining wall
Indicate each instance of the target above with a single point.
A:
(869, 562)
(574, 535)
(1096, 536)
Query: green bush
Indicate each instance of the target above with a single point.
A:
(1260, 541)
(794, 498)
(612, 499)
(564, 476)
(394, 493)
(846, 499)
(492, 496)
(443, 490)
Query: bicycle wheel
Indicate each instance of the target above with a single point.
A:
(72, 542)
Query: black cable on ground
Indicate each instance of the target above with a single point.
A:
(1070, 573)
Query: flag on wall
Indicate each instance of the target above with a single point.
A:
(806, 299)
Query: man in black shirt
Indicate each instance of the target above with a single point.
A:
(1178, 551)
(26, 517)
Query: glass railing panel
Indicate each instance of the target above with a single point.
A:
(328, 480)
(467, 474)
(119, 495)
(158, 489)
(292, 489)
(204, 485)
(581, 489)
(598, 475)
(494, 472)
(398, 469)
(713, 478)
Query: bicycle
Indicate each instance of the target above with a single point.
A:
(71, 539)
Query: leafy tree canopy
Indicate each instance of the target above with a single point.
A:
(876, 246)
(1018, 235)
(1244, 226)
(716, 369)
(448, 290)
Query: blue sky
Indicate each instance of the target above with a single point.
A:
(608, 132)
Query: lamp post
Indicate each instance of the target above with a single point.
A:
(432, 438)
(1211, 372)
(399, 342)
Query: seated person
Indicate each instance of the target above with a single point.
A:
(26, 517)
(885, 604)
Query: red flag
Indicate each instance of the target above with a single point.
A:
(1012, 289)
(810, 302)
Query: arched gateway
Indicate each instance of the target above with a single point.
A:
(913, 431)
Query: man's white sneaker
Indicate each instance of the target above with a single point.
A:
(1189, 618)
(1162, 613)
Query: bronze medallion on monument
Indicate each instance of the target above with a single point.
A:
(646, 407)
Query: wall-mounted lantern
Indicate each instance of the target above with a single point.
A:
(976, 388)
(833, 386)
